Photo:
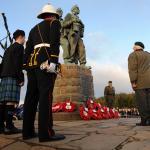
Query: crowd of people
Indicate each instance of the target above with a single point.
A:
(128, 112)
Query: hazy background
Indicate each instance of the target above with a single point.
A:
(111, 28)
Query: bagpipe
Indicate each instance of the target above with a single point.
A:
(4, 44)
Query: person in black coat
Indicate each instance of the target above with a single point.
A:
(12, 78)
(40, 61)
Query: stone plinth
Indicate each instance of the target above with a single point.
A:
(75, 84)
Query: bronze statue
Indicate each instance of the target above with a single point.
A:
(63, 40)
(71, 38)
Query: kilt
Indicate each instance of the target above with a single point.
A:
(9, 90)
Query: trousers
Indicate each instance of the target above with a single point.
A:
(39, 91)
(143, 102)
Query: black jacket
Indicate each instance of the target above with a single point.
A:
(12, 62)
(50, 32)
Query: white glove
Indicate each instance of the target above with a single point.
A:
(43, 66)
(51, 68)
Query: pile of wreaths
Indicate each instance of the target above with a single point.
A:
(93, 110)
(89, 110)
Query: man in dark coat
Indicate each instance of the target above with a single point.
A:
(12, 78)
(40, 61)
(139, 72)
(109, 94)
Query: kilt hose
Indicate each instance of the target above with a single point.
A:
(9, 90)
(39, 90)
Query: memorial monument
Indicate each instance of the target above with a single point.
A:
(76, 83)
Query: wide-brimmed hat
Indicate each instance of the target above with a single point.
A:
(48, 9)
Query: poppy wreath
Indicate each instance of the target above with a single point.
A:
(90, 102)
(57, 107)
(105, 113)
(117, 114)
(112, 113)
(84, 113)
(97, 106)
(104, 116)
(95, 114)
(94, 109)
(93, 104)
(69, 106)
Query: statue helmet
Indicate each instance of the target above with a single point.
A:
(48, 9)
(59, 12)
(75, 7)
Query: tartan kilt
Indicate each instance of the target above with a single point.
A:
(9, 90)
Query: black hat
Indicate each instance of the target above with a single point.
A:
(140, 44)
(109, 81)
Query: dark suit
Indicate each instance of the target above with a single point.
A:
(40, 84)
(109, 93)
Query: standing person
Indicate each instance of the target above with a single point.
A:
(41, 59)
(109, 94)
(11, 82)
(139, 72)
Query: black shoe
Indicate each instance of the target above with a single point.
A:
(1, 130)
(33, 135)
(56, 137)
(13, 130)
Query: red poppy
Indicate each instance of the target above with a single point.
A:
(57, 107)
(84, 113)
(69, 106)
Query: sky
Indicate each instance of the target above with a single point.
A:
(111, 28)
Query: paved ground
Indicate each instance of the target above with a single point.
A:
(119, 134)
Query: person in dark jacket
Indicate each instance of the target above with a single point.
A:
(109, 93)
(12, 78)
(139, 72)
(40, 61)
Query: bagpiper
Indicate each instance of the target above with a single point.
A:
(12, 78)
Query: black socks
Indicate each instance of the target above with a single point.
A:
(9, 111)
(2, 116)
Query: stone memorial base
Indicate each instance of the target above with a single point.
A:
(76, 85)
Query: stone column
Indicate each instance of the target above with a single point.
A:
(75, 84)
